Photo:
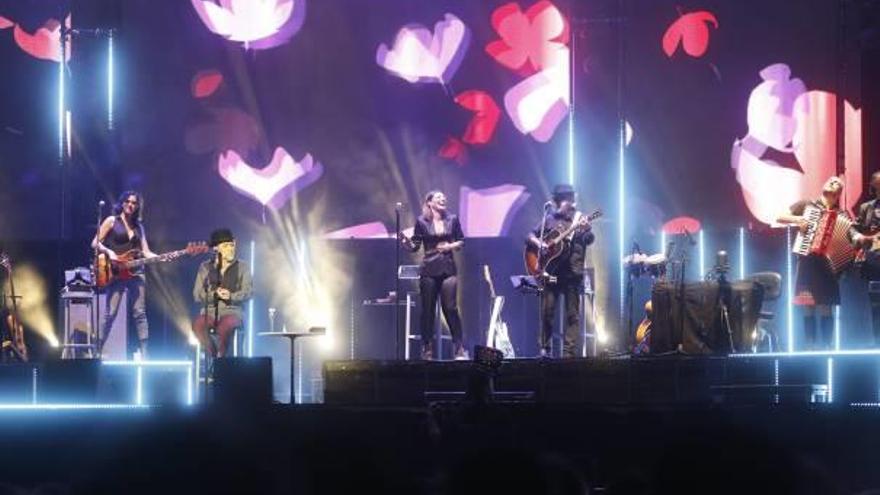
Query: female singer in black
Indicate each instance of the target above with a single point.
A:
(440, 233)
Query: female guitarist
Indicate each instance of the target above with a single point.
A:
(122, 236)
(566, 270)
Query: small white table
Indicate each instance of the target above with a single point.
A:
(292, 336)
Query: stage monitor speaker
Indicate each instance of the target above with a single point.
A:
(68, 381)
(689, 319)
(243, 381)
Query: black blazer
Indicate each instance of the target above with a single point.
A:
(435, 263)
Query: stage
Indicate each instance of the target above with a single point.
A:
(842, 377)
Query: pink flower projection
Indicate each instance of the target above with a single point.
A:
(205, 83)
(680, 225)
(488, 212)
(534, 43)
(691, 31)
(418, 55)
(531, 41)
(369, 230)
(44, 43)
(274, 185)
(790, 148)
(539, 103)
(257, 24)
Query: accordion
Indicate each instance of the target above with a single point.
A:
(826, 235)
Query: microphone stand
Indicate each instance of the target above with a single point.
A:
(397, 281)
(539, 284)
(206, 285)
(94, 269)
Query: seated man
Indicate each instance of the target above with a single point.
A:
(222, 285)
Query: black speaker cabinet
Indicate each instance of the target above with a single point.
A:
(68, 381)
(243, 381)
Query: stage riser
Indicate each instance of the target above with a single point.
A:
(648, 381)
(89, 382)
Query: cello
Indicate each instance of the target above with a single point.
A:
(16, 342)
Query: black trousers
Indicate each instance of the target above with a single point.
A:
(446, 288)
(571, 289)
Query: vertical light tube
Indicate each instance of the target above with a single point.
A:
(837, 328)
(702, 249)
(621, 208)
(68, 130)
(139, 393)
(110, 81)
(189, 385)
(61, 105)
(742, 253)
(830, 378)
(250, 324)
(571, 73)
(789, 291)
(662, 241)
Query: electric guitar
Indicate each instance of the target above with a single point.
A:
(126, 265)
(13, 322)
(557, 239)
(497, 337)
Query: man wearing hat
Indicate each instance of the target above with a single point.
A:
(567, 270)
(222, 285)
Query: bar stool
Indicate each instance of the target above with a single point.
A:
(439, 334)
(76, 305)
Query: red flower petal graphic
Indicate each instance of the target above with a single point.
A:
(453, 149)
(482, 126)
(205, 83)
(692, 31)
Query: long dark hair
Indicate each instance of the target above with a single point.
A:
(138, 212)
(427, 213)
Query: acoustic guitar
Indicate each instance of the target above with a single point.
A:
(128, 264)
(643, 332)
(497, 336)
(539, 261)
(13, 322)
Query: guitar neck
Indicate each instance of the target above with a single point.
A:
(488, 277)
(158, 259)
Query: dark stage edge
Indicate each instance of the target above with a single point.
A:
(674, 380)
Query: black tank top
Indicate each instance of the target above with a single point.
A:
(117, 239)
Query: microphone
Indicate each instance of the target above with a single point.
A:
(548, 204)
(636, 248)
(398, 206)
(101, 203)
(690, 238)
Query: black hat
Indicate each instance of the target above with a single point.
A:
(561, 191)
(220, 236)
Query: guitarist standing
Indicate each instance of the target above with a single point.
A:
(868, 223)
(566, 272)
(121, 233)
